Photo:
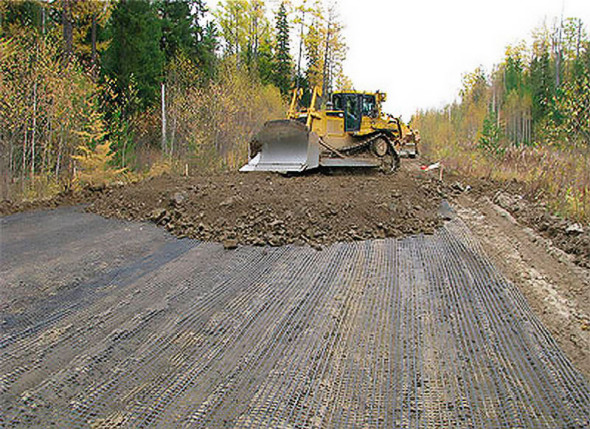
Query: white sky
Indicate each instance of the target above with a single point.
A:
(417, 50)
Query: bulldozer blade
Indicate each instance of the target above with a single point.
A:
(285, 146)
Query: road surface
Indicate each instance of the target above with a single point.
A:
(107, 323)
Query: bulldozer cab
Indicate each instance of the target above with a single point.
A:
(352, 107)
(370, 106)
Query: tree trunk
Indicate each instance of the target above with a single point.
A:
(93, 37)
(34, 132)
(256, 36)
(58, 160)
(66, 17)
(43, 21)
(24, 159)
(558, 57)
(172, 135)
(123, 160)
(11, 161)
(298, 77)
(326, 58)
(579, 39)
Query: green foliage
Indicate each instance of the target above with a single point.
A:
(282, 75)
(313, 53)
(21, 13)
(474, 86)
(176, 23)
(491, 134)
(529, 120)
(266, 66)
(184, 32)
(207, 44)
(246, 35)
(542, 81)
(135, 49)
(513, 73)
(118, 110)
(570, 118)
(80, 82)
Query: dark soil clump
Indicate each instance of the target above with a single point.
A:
(270, 209)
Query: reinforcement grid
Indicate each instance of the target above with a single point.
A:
(115, 324)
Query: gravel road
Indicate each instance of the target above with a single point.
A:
(109, 323)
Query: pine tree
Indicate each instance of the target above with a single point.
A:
(489, 140)
(183, 31)
(207, 43)
(176, 23)
(542, 89)
(282, 75)
(134, 53)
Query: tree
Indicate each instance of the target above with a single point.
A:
(302, 11)
(206, 50)
(542, 85)
(231, 15)
(571, 115)
(282, 75)
(474, 86)
(135, 49)
(489, 140)
(313, 52)
(325, 50)
(513, 72)
(246, 34)
(21, 13)
(89, 18)
(176, 23)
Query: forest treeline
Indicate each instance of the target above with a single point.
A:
(527, 119)
(131, 85)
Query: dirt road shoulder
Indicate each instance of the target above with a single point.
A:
(555, 287)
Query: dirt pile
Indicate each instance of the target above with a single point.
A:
(269, 209)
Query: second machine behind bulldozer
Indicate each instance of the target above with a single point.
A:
(351, 131)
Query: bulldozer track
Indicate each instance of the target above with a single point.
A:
(107, 323)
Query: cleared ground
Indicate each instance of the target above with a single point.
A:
(108, 323)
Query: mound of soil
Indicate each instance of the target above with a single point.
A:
(270, 209)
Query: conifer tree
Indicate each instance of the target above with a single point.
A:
(282, 76)
(176, 22)
(541, 82)
(183, 30)
(134, 53)
(207, 43)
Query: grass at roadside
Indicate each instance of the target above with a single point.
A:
(559, 178)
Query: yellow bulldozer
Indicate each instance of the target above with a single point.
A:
(350, 131)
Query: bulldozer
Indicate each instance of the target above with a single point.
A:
(350, 131)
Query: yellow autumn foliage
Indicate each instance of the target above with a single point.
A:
(158, 168)
(94, 167)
